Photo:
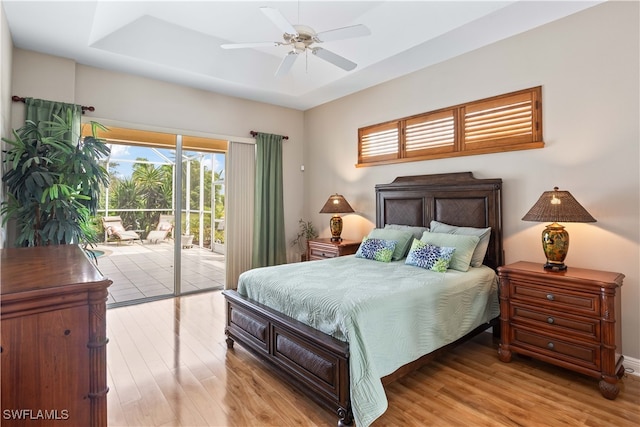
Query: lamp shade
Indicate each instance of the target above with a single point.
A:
(558, 206)
(336, 204)
(555, 206)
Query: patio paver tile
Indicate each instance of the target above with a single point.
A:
(142, 271)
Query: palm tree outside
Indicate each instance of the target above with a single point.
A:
(141, 189)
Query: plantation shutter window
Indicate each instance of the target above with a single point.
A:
(378, 142)
(506, 122)
(429, 134)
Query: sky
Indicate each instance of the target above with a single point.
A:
(125, 155)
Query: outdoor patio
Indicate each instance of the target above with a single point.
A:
(141, 271)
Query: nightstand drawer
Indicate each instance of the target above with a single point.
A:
(555, 298)
(551, 346)
(322, 252)
(325, 248)
(585, 327)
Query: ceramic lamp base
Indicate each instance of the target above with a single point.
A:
(554, 267)
(335, 224)
(555, 242)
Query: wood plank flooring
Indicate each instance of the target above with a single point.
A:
(168, 365)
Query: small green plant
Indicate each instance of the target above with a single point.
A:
(306, 231)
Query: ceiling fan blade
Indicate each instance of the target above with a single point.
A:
(249, 45)
(280, 21)
(286, 64)
(343, 33)
(334, 58)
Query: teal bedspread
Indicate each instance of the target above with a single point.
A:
(389, 313)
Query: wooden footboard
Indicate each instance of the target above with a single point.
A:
(313, 362)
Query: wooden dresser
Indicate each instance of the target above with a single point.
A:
(53, 338)
(325, 248)
(570, 318)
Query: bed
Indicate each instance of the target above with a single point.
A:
(331, 364)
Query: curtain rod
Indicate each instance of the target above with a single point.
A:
(254, 134)
(15, 98)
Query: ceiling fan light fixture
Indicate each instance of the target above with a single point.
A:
(301, 39)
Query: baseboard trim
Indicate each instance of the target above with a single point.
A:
(632, 366)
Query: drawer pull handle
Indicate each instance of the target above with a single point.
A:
(550, 320)
(550, 297)
(550, 346)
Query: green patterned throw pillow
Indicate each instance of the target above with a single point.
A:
(376, 249)
(430, 257)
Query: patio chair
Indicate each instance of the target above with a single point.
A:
(163, 229)
(115, 231)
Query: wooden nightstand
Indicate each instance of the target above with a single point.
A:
(570, 319)
(325, 248)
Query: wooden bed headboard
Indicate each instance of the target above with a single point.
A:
(453, 198)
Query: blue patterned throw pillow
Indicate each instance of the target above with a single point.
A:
(430, 257)
(376, 249)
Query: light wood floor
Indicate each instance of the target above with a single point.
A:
(168, 366)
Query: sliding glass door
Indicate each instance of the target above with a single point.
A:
(202, 221)
(139, 194)
(169, 190)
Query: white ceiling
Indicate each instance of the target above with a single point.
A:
(179, 41)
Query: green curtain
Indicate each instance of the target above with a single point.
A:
(40, 110)
(269, 245)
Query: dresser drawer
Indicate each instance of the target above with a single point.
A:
(582, 327)
(555, 298)
(550, 345)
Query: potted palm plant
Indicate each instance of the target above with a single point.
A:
(53, 179)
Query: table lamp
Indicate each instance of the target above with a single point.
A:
(554, 206)
(336, 204)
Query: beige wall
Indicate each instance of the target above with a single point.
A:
(587, 65)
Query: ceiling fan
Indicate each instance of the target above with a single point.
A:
(302, 39)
